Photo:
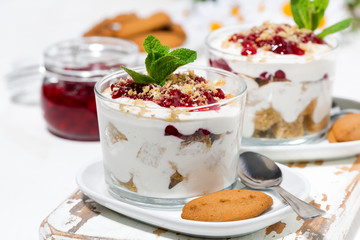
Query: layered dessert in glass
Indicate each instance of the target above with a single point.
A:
(289, 73)
(164, 144)
(72, 69)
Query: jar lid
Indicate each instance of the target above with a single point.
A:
(89, 56)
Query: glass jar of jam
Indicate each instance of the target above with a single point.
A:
(71, 70)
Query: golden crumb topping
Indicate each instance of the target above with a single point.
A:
(180, 90)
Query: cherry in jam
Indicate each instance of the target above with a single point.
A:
(311, 37)
(266, 77)
(220, 63)
(200, 135)
(248, 48)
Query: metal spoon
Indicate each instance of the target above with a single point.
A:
(259, 172)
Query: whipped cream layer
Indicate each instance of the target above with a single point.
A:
(137, 151)
(312, 66)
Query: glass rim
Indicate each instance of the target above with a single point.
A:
(110, 76)
(51, 52)
(332, 42)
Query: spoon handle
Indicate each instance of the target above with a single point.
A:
(303, 209)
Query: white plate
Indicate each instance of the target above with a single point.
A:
(91, 182)
(312, 152)
(317, 151)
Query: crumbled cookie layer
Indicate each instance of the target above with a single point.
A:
(270, 124)
(130, 185)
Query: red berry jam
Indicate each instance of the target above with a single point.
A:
(279, 39)
(72, 69)
(69, 106)
(180, 90)
(200, 135)
(248, 48)
(220, 63)
(70, 109)
(265, 78)
(311, 37)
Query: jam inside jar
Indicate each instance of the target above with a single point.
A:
(72, 69)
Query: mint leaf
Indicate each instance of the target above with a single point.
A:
(308, 13)
(299, 15)
(184, 55)
(155, 50)
(160, 63)
(153, 45)
(335, 28)
(162, 68)
(166, 65)
(138, 77)
(319, 7)
(150, 58)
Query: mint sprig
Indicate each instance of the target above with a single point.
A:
(160, 62)
(308, 14)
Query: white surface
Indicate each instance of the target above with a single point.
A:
(322, 150)
(38, 169)
(91, 182)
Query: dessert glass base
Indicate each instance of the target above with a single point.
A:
(123, 194)
(307, 139)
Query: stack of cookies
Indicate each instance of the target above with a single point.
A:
(133, 28)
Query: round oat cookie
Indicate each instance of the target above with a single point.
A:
(229, 205)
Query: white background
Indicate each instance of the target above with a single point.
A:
(37, 170)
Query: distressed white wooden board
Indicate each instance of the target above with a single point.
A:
(335, 188)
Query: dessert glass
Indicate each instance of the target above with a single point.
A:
(289, 96)
(163, 156)
(72, 68)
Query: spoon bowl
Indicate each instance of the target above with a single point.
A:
(259, 172)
